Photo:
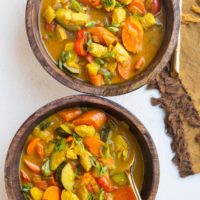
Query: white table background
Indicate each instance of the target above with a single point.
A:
(25, 86)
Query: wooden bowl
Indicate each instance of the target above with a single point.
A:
(151, 163)
(172, 24)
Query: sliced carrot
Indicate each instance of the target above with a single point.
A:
(24, 176)
(139, 63)
(52, 193)
(124, 193)
(96, 118)
(94, 3)
(33, 167)
(132, 35)
(70, 114)
(32, 145)
(96, 80)
(40, 150)
(125, 69)
(69, 139)
(93, 144)
(100, 33)
(137, 7)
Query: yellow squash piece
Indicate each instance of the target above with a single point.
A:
(85, 131)
(68, 195)
(49, 14)
(121, 147)
(125, 2)
(120, 53)
(36, 193)
(85, 161)
(93, 68)
(98, 50)
(148, 21)
(119, 15)
(61, 33)
(79, 18)
(83, 193)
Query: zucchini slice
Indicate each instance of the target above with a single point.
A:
(73, 70)
(56, 159)
(67, 177)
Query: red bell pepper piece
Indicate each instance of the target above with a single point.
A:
(80, 42)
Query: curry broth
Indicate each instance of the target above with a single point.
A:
(152, 41)
(123, 130)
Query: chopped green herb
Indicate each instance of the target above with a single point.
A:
(60, 144)
(100, 170)
(76, 6)
(60, 64)
(137, 16)
(109, 3)
(90, 24)
(89, 42)
(112, 124)
(90, 196)
(113, 29)
(26, 187)
(109, 54)
(101, 194)
(99, 61)
(119, 4)
(106, 74)
(44, 125)
(115, 24)
(46, 169)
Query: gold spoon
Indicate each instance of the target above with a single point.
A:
(129, 173)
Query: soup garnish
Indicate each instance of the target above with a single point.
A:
(102, 41)
(79, 153)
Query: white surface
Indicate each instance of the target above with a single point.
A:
(25, 87)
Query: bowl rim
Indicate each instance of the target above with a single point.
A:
(107, 90)
(60, 104)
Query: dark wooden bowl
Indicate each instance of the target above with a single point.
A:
(151, 175)
(172, 24)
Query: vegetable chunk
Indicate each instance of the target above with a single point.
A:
(94, 118)
(67, 177)
(119, 15)
(148, 21)
(120, 53)
(52, 193)
(61, 33)
(49, 14)
(85, 131)
(98, 50)
(68, 195)
(132, 35)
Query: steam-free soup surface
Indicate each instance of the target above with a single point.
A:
(80, 154)
(102, 41)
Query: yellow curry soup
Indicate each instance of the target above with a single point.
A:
(79, 154)
(102, 41)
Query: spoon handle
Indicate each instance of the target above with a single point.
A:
(134, 187)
